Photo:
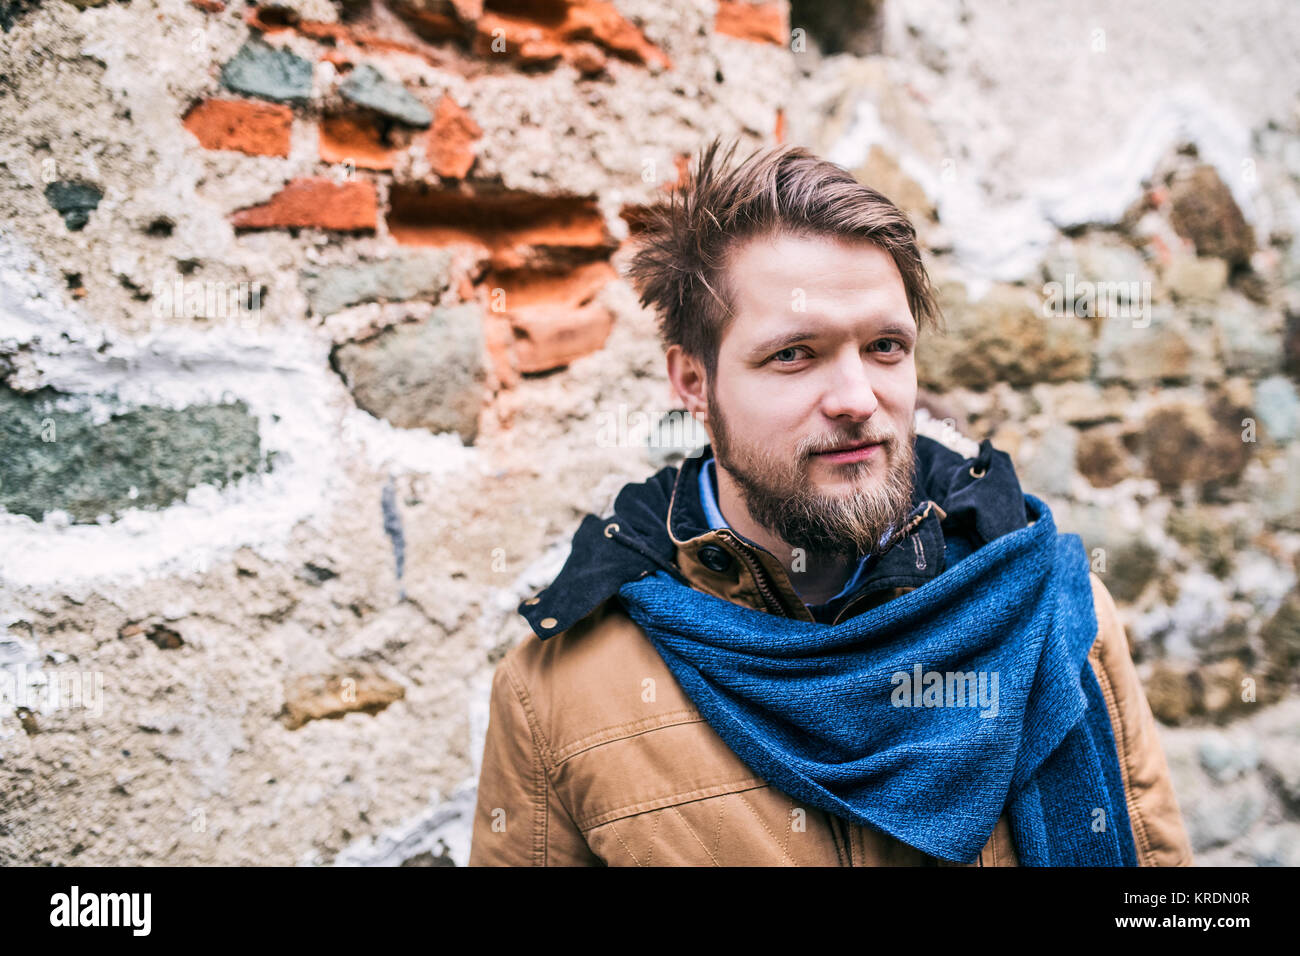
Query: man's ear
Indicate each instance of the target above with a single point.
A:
(689, 381)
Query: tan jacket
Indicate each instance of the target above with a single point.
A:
(596, 757)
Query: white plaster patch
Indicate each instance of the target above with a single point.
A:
(304, 414)
(444, 828)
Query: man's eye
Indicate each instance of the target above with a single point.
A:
(891, 342)
(787, 355)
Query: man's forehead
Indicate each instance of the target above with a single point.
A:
(875, 309)
(778, 282)
(790, 273)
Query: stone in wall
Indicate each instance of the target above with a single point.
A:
(1161, 347)
(1003, 337)
(1183, 442)
(430, 374)
(12, 10)
(1120, 550)
(1213, 540)
(1047, 464)
(1102, 456)
(548, 257)
(1291, 346)
(1248, 338)
(1181, 694)
(333, 696)
(1204, 211)
(1277, 404)
(1195, 279)
(74, 201)
(1281, 639)
(407, 274)
(883, 173)
(366, 86)
(268, 72)
(58, 457)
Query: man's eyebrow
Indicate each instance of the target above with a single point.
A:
(906, 331)
(779, 342)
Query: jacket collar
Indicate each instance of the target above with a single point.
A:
(659, 524)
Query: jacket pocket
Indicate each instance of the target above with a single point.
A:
(640, 768)
(745, 826)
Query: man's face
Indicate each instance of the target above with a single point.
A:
(811, 404)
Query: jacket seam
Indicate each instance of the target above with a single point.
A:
(659, 803)
(625, 730)
(543, 786)
(764, 825)
(623, 843)
(1136, 821)
(691, 830)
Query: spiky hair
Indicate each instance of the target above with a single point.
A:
(683, 241)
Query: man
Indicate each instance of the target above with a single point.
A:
(827, 640)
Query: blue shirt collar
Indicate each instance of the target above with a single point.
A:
(709, 499)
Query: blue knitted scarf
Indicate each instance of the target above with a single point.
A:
(927, 716)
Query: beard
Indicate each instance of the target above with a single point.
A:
(779, 495)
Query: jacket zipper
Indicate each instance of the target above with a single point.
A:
(760, 578)
(920, 564)
(839, 829)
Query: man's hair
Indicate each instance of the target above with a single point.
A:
(684, 240)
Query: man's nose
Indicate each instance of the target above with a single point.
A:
(849, 393)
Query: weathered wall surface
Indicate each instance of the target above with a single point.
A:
(314, 350)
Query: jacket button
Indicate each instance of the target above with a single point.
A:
(714, 558)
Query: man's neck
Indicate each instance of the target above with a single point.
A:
(817, 577)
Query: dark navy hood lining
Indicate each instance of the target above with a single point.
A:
(634, 541)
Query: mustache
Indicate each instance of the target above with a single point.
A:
(813, 444)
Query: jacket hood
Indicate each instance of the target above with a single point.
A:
(978, 499)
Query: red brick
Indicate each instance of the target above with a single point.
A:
(450, 142)
(315, 203)
(587, 58)
(258, 129)
(516, 229)
(552, 315)
(601, 22)
(541, 34)
(552, 336)
(761, 23)
(269, 18)
(356, 138)
(546, 318)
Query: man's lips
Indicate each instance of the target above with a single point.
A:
(844, 454)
